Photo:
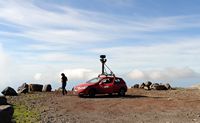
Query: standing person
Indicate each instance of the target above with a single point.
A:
(64, 83)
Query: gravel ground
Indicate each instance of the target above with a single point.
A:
(138, 106)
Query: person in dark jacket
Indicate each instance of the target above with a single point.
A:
(64, 83)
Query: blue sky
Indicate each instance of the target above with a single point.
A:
(143, 39)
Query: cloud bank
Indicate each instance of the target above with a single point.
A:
(168, 74)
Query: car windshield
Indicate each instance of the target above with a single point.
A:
(94, 80)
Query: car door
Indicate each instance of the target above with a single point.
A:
(106, 85)
(117, 85)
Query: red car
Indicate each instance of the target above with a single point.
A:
(102, 85)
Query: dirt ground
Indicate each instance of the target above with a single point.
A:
(138, 106)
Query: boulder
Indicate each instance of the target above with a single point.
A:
(168, 86)
(23, 88)
(3, 100)
(9, 92)
(148, 84)
(47, 88)
(142, 86)
(146, 88)
(135, 86)
(35, 87)
(6, 113)
(160, 87)
(153, 86)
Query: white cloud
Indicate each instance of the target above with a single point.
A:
(37, 76)
(168, 74)
(4, 62)
(3, 58)
(79, 74)
(71, 26)
(136, 74)
(5, 66)
(181, 53)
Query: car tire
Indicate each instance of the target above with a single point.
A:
(91, 93)
(81, 95)
(122, 92)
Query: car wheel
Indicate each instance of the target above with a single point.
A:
(91, 93)
(81, 95)
(122, 92)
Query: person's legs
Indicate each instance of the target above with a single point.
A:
(63, 88)
(65, 91)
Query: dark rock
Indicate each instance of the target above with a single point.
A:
(23, 88)
(153, 86)
(135, 86)
(9, 92)
(142, 86)
(6, 113)
(160, 87)
(3, 100)
(148, 84)
(146, 88)
(47, 88)
(168, 86)
(35, 87)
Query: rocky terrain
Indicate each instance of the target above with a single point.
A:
(138, 106)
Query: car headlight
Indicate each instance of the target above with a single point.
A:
(81, 88)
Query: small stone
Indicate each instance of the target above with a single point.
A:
(169, 99)
(194, 119)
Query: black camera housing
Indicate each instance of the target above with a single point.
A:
(103, 56)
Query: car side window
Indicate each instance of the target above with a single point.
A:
(106, 81)
(117, 81)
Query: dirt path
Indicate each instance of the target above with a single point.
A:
(139, 106)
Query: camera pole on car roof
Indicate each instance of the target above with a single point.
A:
(103, 61)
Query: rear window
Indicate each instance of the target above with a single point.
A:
(117, 80)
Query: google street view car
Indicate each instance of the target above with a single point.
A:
(103, 84)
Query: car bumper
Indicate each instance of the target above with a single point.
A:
(80, 92)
